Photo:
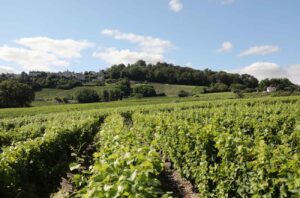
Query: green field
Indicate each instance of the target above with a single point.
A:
(45, 107)
(45, 97)
(172, 90)
(169, 90)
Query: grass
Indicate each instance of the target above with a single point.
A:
(49, 107)
(172, 90)
(49, 94)
(40, 107)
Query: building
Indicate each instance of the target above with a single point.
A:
(271, 89)
(35, 73)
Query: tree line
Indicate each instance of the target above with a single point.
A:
(171, 74)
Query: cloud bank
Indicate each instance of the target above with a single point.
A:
(43, 53)
(150, 49)
(7, 69)
(262, 70)
(260, 50)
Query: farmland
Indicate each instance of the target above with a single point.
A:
(224, 148)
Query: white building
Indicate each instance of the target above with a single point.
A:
(271, 89)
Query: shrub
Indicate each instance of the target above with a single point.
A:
(58, 100)
(217, 87)
(145, 90)
(183, 93)
(87, 96)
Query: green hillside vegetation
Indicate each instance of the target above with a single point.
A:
(236, 144)
(45, 107)
(173, 90)
(169, 90)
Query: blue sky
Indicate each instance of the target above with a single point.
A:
(260, 37)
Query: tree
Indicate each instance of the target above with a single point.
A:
(105, 95)
(145, 90)
(124, 86)
(87, 96)
(15, 94)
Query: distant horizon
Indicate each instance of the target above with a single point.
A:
(256, 37)
(73, 71)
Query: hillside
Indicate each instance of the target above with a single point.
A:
(169, 90)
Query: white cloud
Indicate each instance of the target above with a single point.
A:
(226, 2)
(149, 49)
(42, 53)
(114, 56)
(262, 70)
(7, 69)
(29, 59)
(189, 64)
(226, 47)
(66, 48)
(295, 69)
(146, 43)
(175, 5)
(260, 50)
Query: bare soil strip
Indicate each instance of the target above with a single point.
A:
(173, 182)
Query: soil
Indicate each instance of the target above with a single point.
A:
(173, 182)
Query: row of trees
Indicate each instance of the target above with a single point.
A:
(122, 90)
(140, 71)
(118, 92)
(168, 73)
(281, 84)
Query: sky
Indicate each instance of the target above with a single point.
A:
(258, 37)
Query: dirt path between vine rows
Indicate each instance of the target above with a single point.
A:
(173, 182)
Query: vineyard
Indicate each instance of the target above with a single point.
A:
(233, 148)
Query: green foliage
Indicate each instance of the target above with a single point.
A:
(282, 84)
(145, 90)
(123, 167)
(124, 87)
(33, 168)
(86, 96)
(183, 93)
(14, 94)
(233, 148)
(217, 87)
(232, 151)
(237, 86)
(171, 74)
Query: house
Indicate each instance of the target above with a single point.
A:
(80, 76)
(35, 73)
(271, 89)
